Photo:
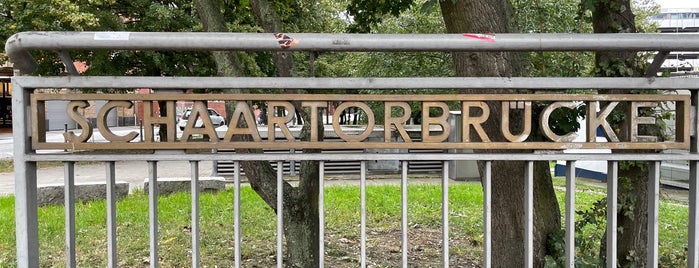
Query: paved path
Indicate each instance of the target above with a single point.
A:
(132, 172)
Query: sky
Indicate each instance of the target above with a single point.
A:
(678, 3)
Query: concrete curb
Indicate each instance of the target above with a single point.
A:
(54, 194)
(172, 185)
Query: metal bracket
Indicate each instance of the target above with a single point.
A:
(68, 62)
(657, 62)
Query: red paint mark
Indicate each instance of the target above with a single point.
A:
(285, 41)
(485, 37)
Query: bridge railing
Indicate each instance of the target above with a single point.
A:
(31, 146)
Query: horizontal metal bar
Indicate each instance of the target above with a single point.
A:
(18, 45)
(209, 145)
(358, 157)
(43, 97)
(486, 83)
(351, 42)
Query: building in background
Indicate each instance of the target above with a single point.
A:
(679, 20)
(6, 97)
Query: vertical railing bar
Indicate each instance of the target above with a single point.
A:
(110, 168)
(292, 163)
(321, 215)
(236, 213)
(195, 213)
(612, 191)
(362, 213)
(693, 234)
(445, 214)
(653, 200)
(570, 214)
(280, 214)
(693, 222)
(153, 211)
(529, 214)
(69, 196)
(487, 215)
(26, 218)
(404, 213)
(214, 168)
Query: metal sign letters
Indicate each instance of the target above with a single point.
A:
(391, 130)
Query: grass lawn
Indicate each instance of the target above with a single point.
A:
(259, 221)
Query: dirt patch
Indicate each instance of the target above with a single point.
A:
(383, 248)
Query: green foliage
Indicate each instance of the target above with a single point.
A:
(590, 224)
(135, 16)
(644, 10)
(216, 223)
(552, 17)
(563, 120)
(415, 64)
(43, 15)
(368, 13)
(613, 68)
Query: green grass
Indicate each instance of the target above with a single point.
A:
(672, 223)
(259, 225)
(7, 165)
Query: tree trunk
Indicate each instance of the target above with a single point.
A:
(301, 203)
(301, 220)
(616, 16)
(227, 62)
(162, 131)
(486, 16)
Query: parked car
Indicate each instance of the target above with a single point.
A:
(216, 119)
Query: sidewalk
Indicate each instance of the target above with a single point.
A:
(133, 172)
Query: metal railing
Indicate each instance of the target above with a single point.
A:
(26, 157)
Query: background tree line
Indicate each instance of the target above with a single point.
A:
(372, 16)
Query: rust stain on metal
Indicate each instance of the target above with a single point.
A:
(285, 41)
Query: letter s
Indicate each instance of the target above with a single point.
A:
(72, 110)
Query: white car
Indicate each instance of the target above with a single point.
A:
(216, 119)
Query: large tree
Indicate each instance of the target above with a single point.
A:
(507, 176)
(617, 16)
(478, 16)
(300, 204)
